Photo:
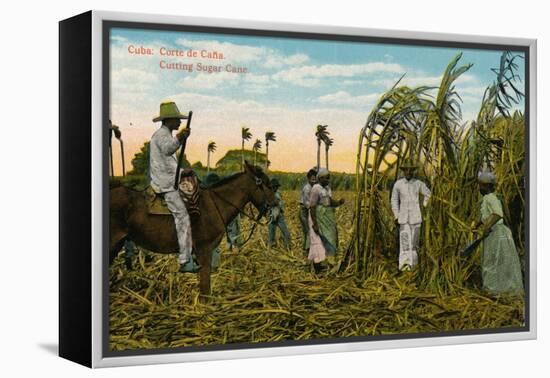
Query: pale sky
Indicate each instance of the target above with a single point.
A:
(291, 85)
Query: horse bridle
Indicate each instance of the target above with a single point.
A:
(259, 184)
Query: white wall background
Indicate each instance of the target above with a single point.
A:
(28, 207)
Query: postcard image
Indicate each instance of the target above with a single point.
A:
(289, 189)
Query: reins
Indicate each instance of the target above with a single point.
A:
(256, 220)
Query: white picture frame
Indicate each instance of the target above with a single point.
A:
(96, 355)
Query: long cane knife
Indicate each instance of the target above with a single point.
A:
(122, 154)
(182, 151)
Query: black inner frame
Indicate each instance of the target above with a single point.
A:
(106, 30)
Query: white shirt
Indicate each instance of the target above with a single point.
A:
(304, 195)
(162, 160)
(320, 195)
(405, 200)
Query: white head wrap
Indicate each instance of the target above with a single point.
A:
(487, 178)
(322, 172)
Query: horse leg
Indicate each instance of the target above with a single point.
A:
(129, 253)
(204, 258)
(118, 234)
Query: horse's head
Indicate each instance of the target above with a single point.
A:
(261, 193)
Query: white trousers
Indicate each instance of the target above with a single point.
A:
(409, 237)
(183, 224)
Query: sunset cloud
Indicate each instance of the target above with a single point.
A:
(135, 80)
(309, 76)
(241, 53)
(344, 98)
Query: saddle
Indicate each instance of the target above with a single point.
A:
(189, 190)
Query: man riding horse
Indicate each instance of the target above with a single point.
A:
(163, 165)
(131, 221)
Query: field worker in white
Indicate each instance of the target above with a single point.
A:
(405, 205)
(162, 170)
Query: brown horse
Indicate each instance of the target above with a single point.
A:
(219, 205)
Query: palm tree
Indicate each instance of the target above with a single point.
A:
(245, 135)
(321, 133)
(269, 136)
(257, 146)
(211, 148)
(328, 143)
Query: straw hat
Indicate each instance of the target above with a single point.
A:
(169, 109)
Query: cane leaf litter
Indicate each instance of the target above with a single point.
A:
(262, 296)
(268, 295)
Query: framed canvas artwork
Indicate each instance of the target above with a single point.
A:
(233, 189)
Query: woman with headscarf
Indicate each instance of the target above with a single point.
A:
(323, 234)
(500, 266)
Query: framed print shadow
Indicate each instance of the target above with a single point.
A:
(233, 189)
